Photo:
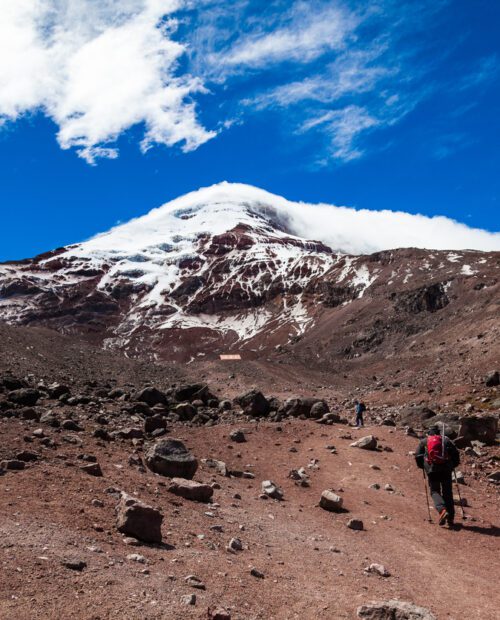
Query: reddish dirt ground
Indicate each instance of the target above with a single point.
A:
(313, 564)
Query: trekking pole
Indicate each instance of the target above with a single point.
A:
(464, 517)
(427, 497)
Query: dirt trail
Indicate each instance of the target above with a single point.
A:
(313, 564)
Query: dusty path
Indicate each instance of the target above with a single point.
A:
(313, 564)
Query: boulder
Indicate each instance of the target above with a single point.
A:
(189, 489)
(330, 501)
(493, 379)
(134, 518)
(151, 396)
(319, 409)
(394, 610)
(271, 489)
(365, 443)
(297, 407)
(415, 416)
(254, 404)
(24, 396)
(170, 457)
(481, 428)
(451, 423)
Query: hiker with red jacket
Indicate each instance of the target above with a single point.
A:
(438, 457)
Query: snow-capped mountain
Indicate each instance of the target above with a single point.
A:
(221, 268)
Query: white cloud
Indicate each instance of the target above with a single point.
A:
(308, 35)
(98, 69)
(354, 231)
(342, 128)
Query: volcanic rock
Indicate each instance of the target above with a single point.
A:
(271, 489)
(365, 443)
(237, 436)
(482, 428)
(493, 379)
(189, 489)
(24, 396)
(139, 520)
(330, 501)
(254, 404)
(151, 396)
(394, 610)
(170, 457)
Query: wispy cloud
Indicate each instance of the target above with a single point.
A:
(336, 70)
(97, 69)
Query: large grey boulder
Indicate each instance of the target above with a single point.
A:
(134, 518)
(394, 610)
(170, 457)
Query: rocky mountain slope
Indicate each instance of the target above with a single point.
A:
(226, 270)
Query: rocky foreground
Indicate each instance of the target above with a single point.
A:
(184, 500)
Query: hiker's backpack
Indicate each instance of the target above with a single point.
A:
(436, 453)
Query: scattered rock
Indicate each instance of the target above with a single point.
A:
(237, 436)
(195, 582)
(271, 489)
(394, 610)
(365, 443)
(188, 599)
(254, 404)
(170, 457)
(93, 469)
(477, 428)
(378, 569)
(355, 524)
(330, 501)
(189, 489)
(139, 520)
(256, 573)
(12, 464)
(77, 565)
(219, 613)
(151, 396)
(493, 379)
(235, 544)
(136, 557)
(24, 396)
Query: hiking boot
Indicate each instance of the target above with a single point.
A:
(443, 517)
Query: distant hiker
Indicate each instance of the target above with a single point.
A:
(438, 457)
(359, 408)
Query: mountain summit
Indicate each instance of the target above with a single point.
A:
(230, 267)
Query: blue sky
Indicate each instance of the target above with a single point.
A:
(109, 109)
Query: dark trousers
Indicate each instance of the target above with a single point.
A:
(359, 419)
(441, 488)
